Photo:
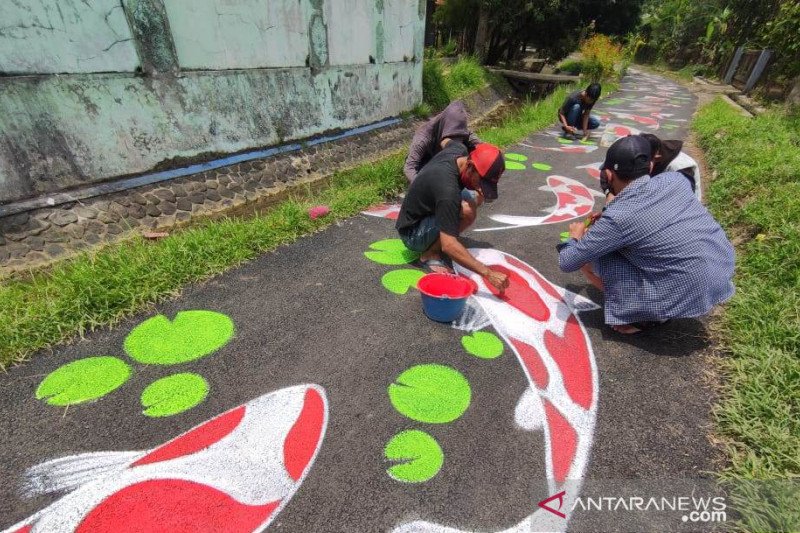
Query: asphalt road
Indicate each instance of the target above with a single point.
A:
(316, 313)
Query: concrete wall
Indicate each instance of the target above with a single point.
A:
(145, 81)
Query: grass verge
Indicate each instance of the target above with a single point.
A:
(756, 197)
(441, 84)
(101, 288)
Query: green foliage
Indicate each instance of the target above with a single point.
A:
(600, 55)
(756, 196)
(690, 71)
(781, 35)
(707, 32)
(465, 76)
(449, 49)
(441, 85)
(553, 27)
(434, 92)
(571, 66)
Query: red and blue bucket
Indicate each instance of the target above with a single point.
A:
(445, 295)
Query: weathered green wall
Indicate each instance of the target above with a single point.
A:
(144, 81)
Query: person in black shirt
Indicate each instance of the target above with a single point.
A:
(436, 208)
(575, 112)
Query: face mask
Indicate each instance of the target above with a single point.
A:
(465, 175)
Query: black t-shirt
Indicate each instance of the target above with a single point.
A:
(436, 191)
(572, 99)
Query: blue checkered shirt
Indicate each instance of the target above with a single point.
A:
(659, 252)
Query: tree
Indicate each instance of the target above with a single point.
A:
(502, 29)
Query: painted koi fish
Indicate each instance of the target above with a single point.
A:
(539, 322)
(592, 169)
(647, 121)
(233, 473)
(615, 131)
(578, 149)
(390, 211)
(573, 200)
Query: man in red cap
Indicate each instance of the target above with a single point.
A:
(440, 204)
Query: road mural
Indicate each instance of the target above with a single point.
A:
(386, 210)
(238, 470)
(233, 473)
(538, 321)
(573, 200)
(191, 335)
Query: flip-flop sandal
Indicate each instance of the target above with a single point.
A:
(430, 263)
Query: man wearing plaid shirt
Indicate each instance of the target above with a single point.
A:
(655, 251)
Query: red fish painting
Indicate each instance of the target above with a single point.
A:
(233, 473)
(539, 322)
(390, 211)
(573, 200)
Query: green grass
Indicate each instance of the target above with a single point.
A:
(441, 84)
(756, 197)
(101, 288)
(571, 66)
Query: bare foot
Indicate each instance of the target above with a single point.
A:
(626, 329)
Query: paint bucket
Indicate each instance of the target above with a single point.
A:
(445, 295)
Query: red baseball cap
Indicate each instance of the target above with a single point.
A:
(490, 164)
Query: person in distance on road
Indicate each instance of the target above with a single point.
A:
(575, 113)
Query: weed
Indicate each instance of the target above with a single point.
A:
(441, 85)
(757, 193)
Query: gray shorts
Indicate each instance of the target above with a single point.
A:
(424, 233)
(421, 235)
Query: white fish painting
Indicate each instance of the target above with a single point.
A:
(233, 473)
(539, 322)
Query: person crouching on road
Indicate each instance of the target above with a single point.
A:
(575, 112)
(655, 251)
(668, 157)
(431, 137)
(442, 202)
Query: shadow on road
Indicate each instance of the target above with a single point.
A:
(679, 338)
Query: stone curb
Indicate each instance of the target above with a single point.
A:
(44, 236)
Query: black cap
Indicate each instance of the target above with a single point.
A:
(629, 157)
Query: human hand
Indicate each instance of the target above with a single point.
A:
(577, 230)
(498, 280)
(585, 137)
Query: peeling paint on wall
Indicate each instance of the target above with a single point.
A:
(318, 37)
(65, 131)
(219, 76)
(50, 36)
